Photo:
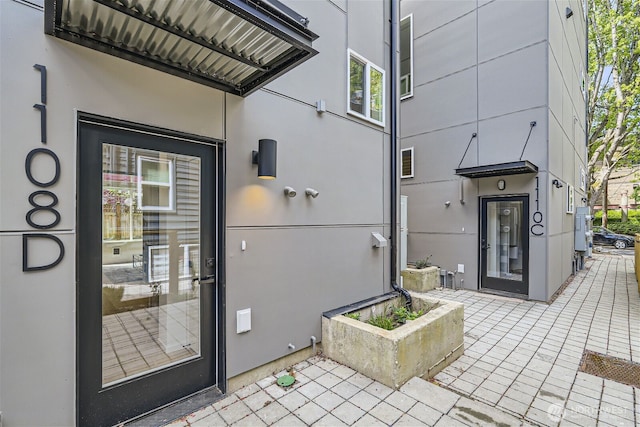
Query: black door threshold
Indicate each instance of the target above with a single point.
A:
(175, 410)
(504, 293)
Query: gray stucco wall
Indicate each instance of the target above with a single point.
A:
(567, 141)
(37, 309)
(487, 67)
(303, 256)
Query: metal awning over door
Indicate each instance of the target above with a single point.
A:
(233, 45)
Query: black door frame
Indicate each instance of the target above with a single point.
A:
(482, 258)
(92, 400)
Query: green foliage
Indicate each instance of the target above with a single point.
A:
(423, 263)
(615, 216)
(355, 316)
(630, 228)
(394, 317)
(402, 314)
(382, 321)
(613, 116)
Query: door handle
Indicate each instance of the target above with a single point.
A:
(483, 244)
(206, 280)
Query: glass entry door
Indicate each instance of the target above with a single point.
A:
(504, 244)
(147, 245)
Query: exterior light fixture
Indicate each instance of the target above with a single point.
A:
(568, 12)
(556, 183)
(502, 184)
(290, 192)
(311, 192)
(265, 158)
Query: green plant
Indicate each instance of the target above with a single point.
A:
(615, 216)
(355, 316)
(382, 321)
(402, 314)
(630, 228)
(423, 263)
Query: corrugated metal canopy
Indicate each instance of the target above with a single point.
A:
(510, 168)
(233, 45)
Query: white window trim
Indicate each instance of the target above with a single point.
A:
(410, 94)
(367, 102)
(170, 185)
(412, 163)
(570, 199)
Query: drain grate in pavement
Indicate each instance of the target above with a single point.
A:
(611, 368)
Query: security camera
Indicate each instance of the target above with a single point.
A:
(311, 192)
(289, 191)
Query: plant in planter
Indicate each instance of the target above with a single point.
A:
(423, 263)
(391, 318)
(355, 316)
(422, 346)
(424, 277)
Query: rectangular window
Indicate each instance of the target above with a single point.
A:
(406, 57)
(156, 190)
(407, 163)
(366, 89)
(570, 196)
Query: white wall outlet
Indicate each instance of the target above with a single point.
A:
(460, 268)
(243, 320)
(243, 245)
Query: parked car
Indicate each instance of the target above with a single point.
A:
(604, 236)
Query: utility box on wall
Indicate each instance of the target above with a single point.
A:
(582, 229)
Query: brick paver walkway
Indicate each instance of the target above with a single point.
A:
(524, 356)
(520, 367)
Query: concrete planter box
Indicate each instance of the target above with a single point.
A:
(422, 279)
(421, 347)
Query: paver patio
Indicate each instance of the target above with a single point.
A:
(520, 367)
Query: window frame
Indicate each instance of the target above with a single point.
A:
(570, 199)
(170, 185)
(412, 151)
(409, 94)
(368, 66)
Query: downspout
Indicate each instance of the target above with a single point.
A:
(393, 39)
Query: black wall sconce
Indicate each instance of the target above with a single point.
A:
(556, 183)
(265, 158)
(568, 12)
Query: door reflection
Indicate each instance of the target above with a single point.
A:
(150, 261)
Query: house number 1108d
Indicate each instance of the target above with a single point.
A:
(42, 201)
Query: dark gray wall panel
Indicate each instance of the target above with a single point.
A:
(440, 104)
(288, 277)
(437, 14)
(448, 251)
(513, 82)
(502, 139)
(37, 327)
(324, 76)
(445, 50)
(447, 146)
(428, 212)
(505, 26)
(366, 30)
(340, 159)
